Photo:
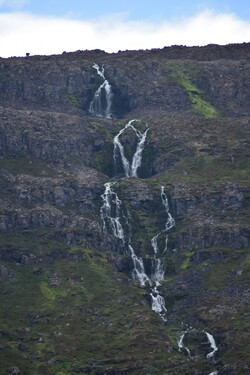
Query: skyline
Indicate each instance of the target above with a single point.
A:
(57, 26)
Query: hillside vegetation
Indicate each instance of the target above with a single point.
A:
(69, 303)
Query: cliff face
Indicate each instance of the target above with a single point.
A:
(70, 303)
(145, 80)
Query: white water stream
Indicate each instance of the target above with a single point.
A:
(138, 272)
(101, 106)
(211, 341)
(130, 169)
(212, 345)
(158, 266)
(181, 345)
(111, 212)
(111, 216)
(114, 219)
(170, 223)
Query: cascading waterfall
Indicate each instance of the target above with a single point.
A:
(158, 302)
(114, 219)
(111, 217)
(213, 345)
(130, 170)
(138, 272)
(181, 345)
(154, 243)
(211, 341)
(158, 271)
(102, 101)
(170, 223)
(111, 212)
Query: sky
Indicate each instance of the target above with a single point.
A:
(43, 27)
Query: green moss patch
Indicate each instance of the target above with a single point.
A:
(74, 101)
(22, 164)
(199, 105)
(188, 255)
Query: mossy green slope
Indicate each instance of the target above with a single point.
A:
(183, 74)
(78, 315)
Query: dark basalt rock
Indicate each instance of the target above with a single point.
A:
(68, 281)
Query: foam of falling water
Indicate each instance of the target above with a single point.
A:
(158, 266)
(158, 303)
(119, 147)
(181, 344)
(155, 244)
(211, 341)
(138, 272)
(111, 212)
(214, 373)
(170, 223)
(166, 245)
(212, 345)
(111, 217)
(130, 170)
(136, 161)
(96, 106)
(158, 271)
(99, 71)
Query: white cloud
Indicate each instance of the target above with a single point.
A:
(23, 32)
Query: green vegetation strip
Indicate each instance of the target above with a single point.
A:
(199, 105)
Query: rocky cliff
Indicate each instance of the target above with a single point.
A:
(70, 301)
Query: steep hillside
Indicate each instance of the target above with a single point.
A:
(124, 245)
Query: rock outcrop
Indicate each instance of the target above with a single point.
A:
(70, 304)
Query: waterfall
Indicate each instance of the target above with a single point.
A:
(112, 218)
(154, 243)
(213, 345)
(181, 345)
(111, 212)
(115, 220)
(211, 341)
(170, 223)
(130, 170)
(158, 271)
(138, 272)
(158, 265)
(102, 101)
(158, 303)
